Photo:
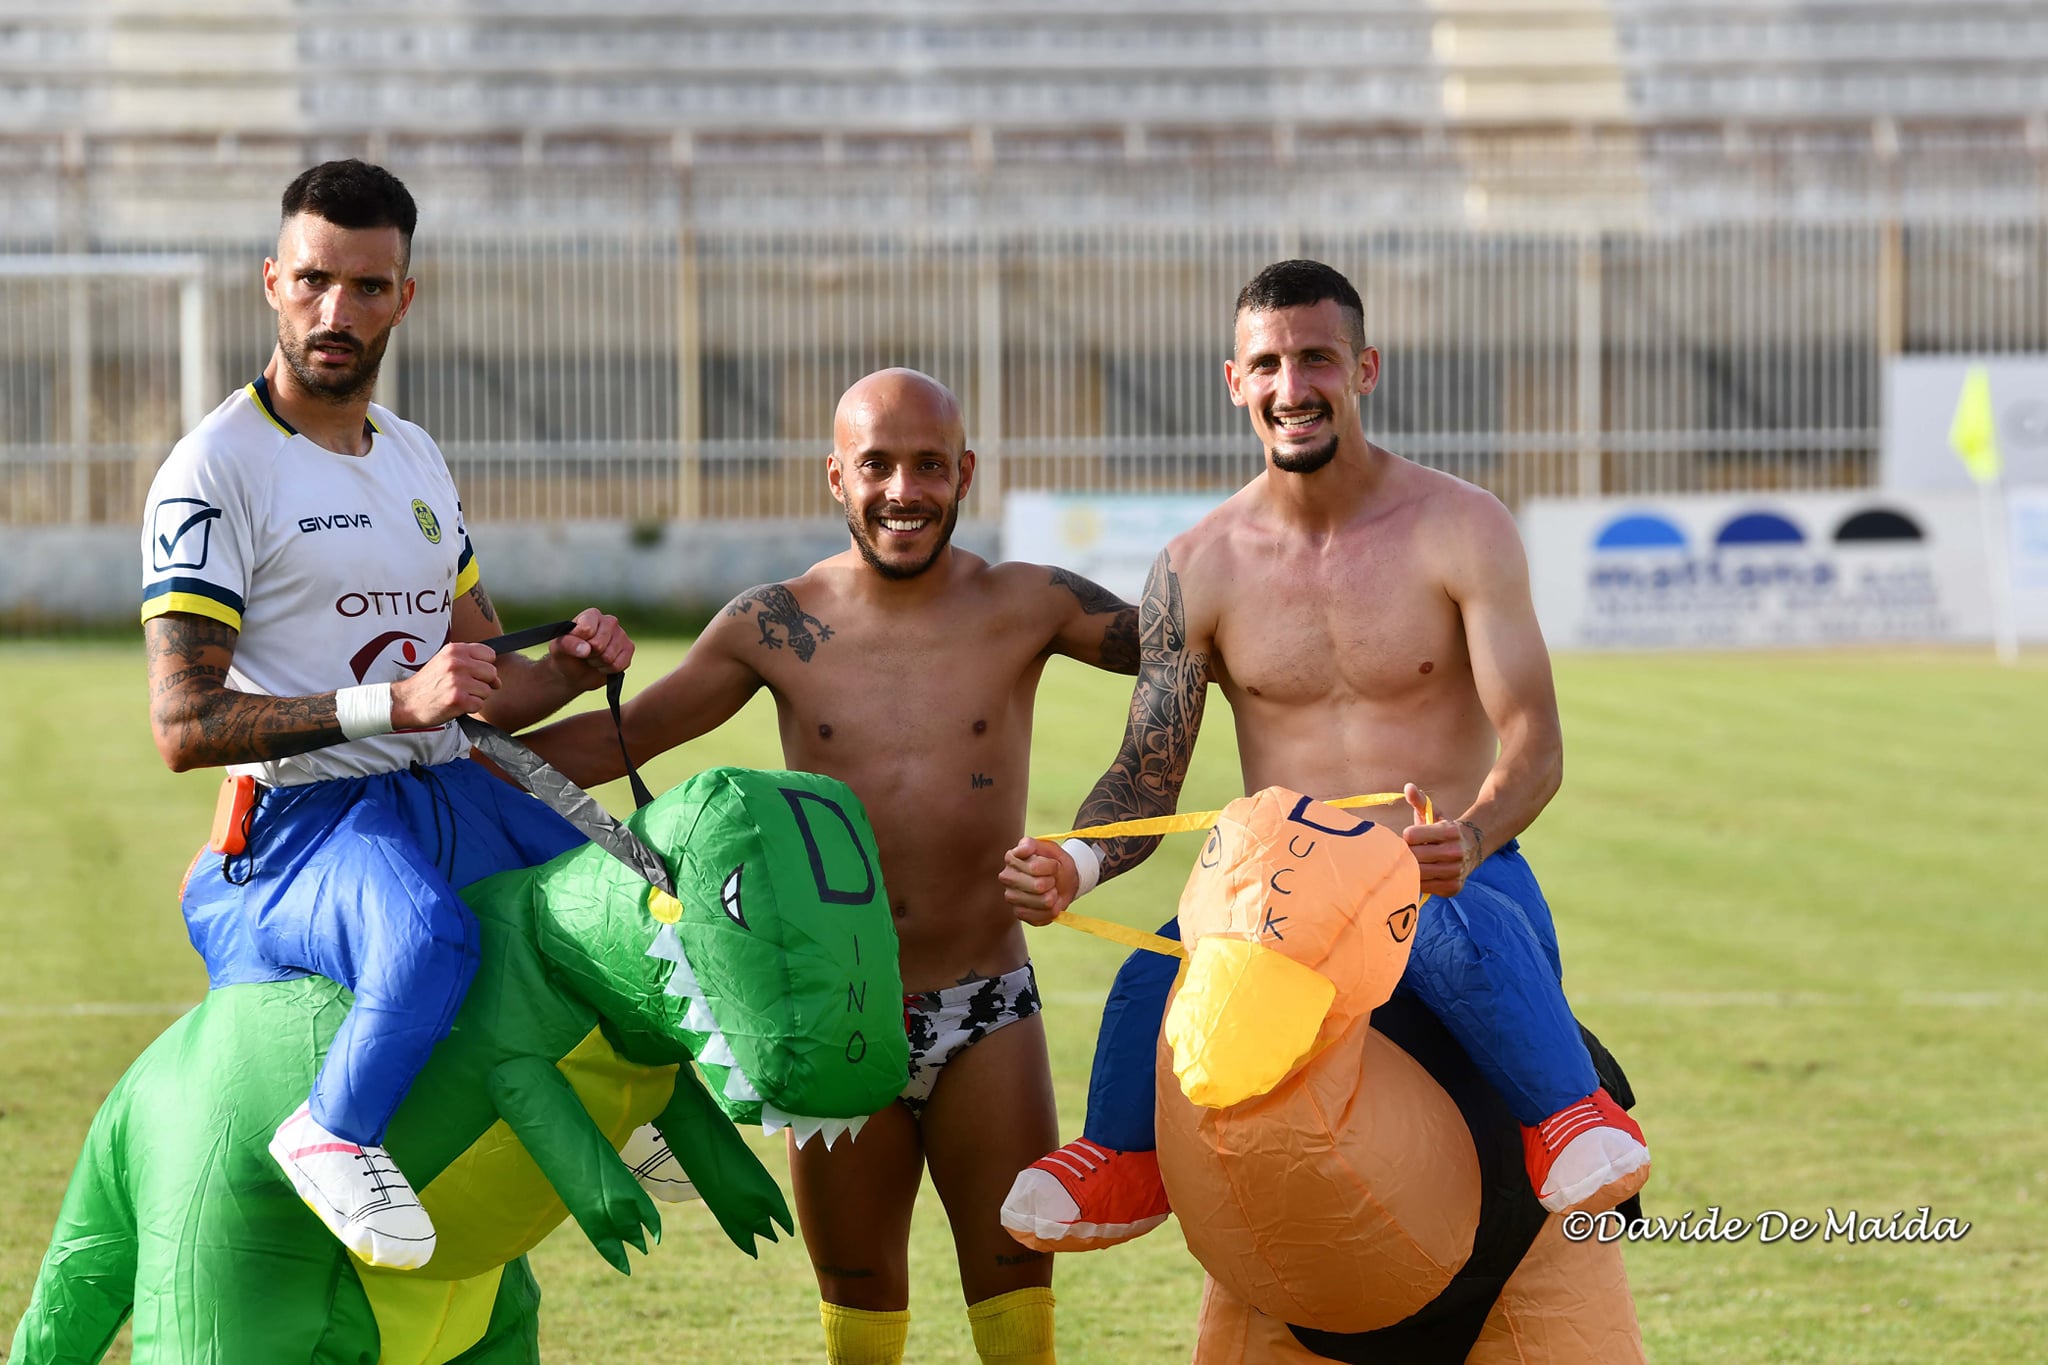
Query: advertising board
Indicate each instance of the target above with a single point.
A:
(1749, 570)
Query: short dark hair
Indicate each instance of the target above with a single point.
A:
(1301, 284)
(353, 194)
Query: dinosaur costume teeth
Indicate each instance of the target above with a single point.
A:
(805, 1127)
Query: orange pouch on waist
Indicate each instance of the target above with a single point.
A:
(231, 815)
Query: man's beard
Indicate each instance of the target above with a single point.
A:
(858, 526)
(334, 387)
(1306, 461)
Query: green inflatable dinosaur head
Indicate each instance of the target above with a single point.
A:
(778, 880)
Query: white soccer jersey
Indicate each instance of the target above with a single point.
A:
(336, 569)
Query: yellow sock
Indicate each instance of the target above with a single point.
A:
(1013, 1328)
(863, 1336)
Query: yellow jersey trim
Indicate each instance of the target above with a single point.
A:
(195, 604)
(264, 408)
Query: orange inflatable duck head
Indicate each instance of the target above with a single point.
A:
(1268, 986)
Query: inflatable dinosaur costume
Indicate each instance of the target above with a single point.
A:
(775, 974)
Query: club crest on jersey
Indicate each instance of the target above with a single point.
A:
(430, 525)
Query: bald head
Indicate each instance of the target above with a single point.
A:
(899, 465)
(898, 400)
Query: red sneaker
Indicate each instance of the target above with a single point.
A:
(1085, 1197)
(1589, 1155)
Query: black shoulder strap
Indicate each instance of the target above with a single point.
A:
(614, 689)
(568, 800)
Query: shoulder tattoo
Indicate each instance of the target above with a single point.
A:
(1120, 636)
(775, 608)
(186, 638)
(1093, 597)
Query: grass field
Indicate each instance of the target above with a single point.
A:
(1802, 896)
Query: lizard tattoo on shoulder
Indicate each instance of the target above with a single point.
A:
(775, 608)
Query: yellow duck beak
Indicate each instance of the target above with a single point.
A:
(1246, 1015)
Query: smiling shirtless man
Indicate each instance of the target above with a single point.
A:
(907, 669)
(1370, 624)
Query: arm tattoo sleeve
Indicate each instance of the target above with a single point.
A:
(1159, 738)
(213, 724)
(1120, 636)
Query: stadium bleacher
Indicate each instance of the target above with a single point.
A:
(1615, 244)
(998, 82)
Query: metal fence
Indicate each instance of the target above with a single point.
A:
(646, 375)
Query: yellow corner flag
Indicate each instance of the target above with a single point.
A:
(1973, 432)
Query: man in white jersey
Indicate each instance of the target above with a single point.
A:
(311, 608)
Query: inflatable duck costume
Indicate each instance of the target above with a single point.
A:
(1352, 1188)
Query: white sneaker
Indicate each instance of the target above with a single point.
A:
(656, 1167)
(363, 1197)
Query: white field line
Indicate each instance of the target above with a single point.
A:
(82, 1008)
(1936, 1000)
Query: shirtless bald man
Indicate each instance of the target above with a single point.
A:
(1369, 621)
(907, 668)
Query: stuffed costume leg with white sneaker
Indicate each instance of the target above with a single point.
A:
(358, 1191)
(354, 879)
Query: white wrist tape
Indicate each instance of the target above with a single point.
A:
(364, 711)
(1087, 862)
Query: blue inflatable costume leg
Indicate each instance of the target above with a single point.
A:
(355, 880)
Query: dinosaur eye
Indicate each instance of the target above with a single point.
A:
(729, 897)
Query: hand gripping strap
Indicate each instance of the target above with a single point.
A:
(614, 689)
(567, 799)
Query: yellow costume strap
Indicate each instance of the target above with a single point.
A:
(1191, 820)
(1120, 933)
(1185, 822)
